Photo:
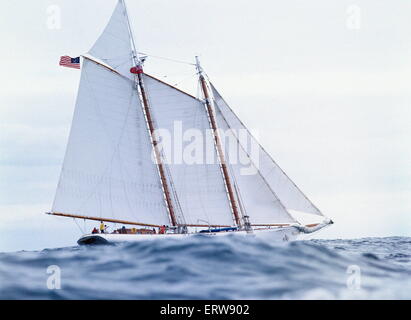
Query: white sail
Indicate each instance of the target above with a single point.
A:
(199, 186)
(257, 199)
(107, 170)
(114, 46)
(287, 192)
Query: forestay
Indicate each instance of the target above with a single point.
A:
(107, 170)
(285, 190)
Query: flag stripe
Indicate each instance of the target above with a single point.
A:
(70, 62)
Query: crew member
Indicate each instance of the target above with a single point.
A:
(162, 230)
(102, 227)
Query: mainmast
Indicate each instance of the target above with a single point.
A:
(140, 85)
(217, 140)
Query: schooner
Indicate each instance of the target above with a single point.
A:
(116, 169)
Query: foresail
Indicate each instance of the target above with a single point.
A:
(199, 185)
(107, 170)
(114, 46)
(285, 190)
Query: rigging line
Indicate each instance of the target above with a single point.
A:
(197, 122)
(184, 79)
(78, 226)
(168, 172)
(130, 30)
(198, 89)
(215, 153)
(169, 59)
(217, 146)
(151, 126)
(237, 189)
(176, 199)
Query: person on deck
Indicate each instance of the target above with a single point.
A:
(162, 230)
(102, 227)
(94, 230)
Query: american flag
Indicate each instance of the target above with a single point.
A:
(70, 62)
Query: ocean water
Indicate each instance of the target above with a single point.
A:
(213, 268)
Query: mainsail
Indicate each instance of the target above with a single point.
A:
(274, 177)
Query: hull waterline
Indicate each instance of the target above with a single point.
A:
(278, 234)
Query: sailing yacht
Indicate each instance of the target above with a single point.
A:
(117, 171)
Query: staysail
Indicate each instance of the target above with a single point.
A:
(197, 180)
(107, 170)
(273, 176)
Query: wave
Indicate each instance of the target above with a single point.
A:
(213, 268)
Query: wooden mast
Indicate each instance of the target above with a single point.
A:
(160, 165)
(149, 120)
(219, 148)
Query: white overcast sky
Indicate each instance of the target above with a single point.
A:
(329, 96)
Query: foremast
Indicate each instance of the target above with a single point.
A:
(150, 124)
(217, 142)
